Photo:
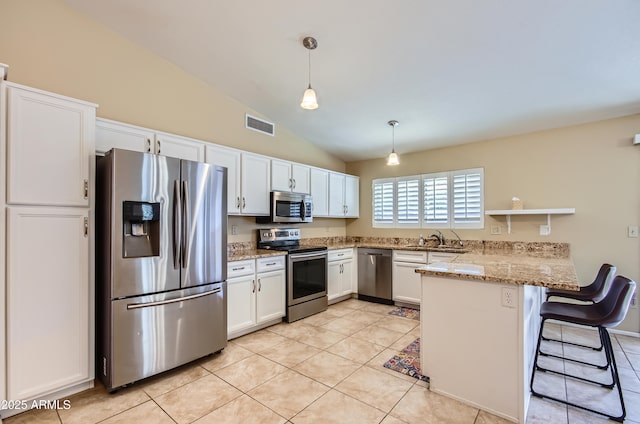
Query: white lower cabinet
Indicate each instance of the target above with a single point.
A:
(255, 294)
(241, 299)
(406, 282)
(341, 279)
(441, 257)
(49, 301)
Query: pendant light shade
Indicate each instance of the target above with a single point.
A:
(309, 99)
(393, 159)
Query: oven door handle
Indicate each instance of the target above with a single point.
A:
(307, 255)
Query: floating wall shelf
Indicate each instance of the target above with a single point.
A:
(548, 212)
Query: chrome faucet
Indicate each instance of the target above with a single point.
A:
(438, 237)
(459, 240)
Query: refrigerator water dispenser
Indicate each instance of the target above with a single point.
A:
(141, 227)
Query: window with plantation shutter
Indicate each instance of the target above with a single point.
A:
(408, 201)
(468, 208)
(383, 202)
(436, 200)
(453, 199)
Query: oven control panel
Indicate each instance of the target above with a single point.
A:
(279, 234)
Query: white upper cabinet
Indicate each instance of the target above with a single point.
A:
(343, 195)
(301, 175)
(336, 194)
(287, 176)
(255, 184)
(320, 191)
(230, 159)
(281, 176)
(112, 134)
(351, 196)
(179, 147)
(50, 140)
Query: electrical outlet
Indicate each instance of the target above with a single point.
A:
(509, 297)
(496, 229)
(545, 230)
(234, 230)
(632, 231)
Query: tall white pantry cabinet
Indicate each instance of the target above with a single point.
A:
(47, 172)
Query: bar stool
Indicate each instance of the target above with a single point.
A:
(607, 313)
(591, 293)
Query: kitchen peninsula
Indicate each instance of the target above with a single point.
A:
(479, 323)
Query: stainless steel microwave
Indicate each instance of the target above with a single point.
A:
(291, 207)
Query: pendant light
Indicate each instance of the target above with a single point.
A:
(392, 159)
(309, 99)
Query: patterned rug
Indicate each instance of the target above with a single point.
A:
(408, 361)
(401, 311)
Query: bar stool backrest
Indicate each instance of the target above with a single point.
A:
(602, 282)
(615, 304)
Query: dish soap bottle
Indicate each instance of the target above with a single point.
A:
(421, 241)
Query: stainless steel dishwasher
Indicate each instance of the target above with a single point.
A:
(374, 275)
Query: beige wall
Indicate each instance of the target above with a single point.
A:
(49, 46)
(594, 168)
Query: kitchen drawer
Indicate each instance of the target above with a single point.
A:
(419, 257)
(340, 254)
(271, 263)
(240, 268)
(441, 257)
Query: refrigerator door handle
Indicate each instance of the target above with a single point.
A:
(185, 223)
(176, 224)
(166, 302)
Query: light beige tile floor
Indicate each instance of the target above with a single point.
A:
(328, 369)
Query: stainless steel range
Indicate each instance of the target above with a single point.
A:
(306, 271)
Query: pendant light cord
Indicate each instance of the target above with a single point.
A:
(393, 138)
(309, 68)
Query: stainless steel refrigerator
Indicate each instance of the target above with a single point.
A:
(161, 264)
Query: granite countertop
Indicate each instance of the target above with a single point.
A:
(557, 273)
(240, 255)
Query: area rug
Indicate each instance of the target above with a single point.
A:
(401, 311)
(408, 361)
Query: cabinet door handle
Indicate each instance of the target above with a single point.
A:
(259, 284)
(86, 189)
(253, 284)
(86, 226)
(244, 202)
(238, 202)
(290, 183)
(271, 264)
(148, 145)
(294, 183)
(158, 146)
(238, 269)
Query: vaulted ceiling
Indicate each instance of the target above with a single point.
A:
(450, 72)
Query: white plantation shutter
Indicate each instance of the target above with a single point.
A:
(436, 200)
(383, 202)
(453, 199)
(408, 201)
(468, 210)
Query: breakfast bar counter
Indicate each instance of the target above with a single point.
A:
(479, 323)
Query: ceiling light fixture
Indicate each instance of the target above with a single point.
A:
(309, 99)
(392, 159)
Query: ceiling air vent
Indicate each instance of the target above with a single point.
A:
(259, 125)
